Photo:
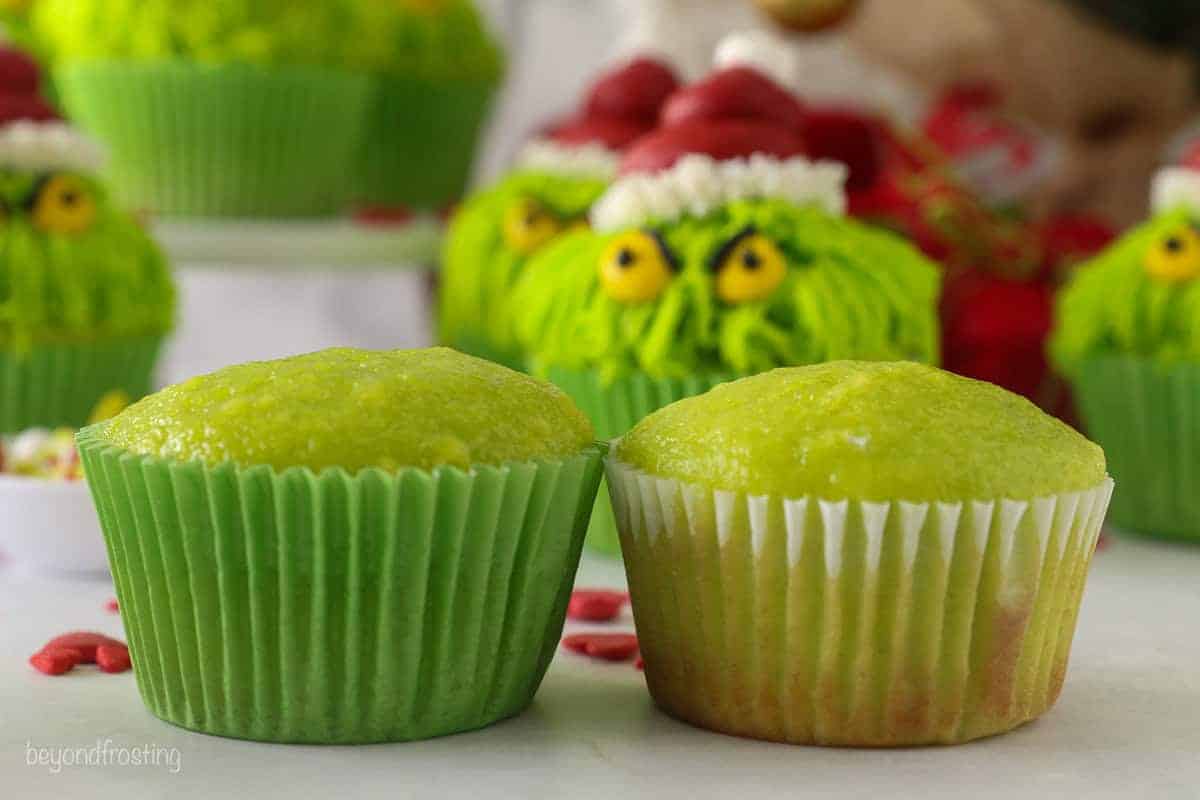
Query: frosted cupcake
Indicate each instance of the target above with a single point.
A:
(247, 108)
(856, 554)
(86, 297)
(347, 546)
(439, 69)
(548, 193)
(1128, 338)
(719, 251)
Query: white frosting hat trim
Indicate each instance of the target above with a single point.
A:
(760, 50)
(1175, 187)
(698, 184)
(588, 160)
(50, 145)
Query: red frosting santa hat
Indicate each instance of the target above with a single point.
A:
(737, 134)
(621, 106)
(32, 135)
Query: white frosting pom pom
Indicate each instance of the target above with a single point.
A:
(759, 50)
(698, 184)
(1175, 187)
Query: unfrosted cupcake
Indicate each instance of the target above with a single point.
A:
(347, 546)
(438, 70)
(1128, 338)
(851, 553)
(249, 108)
(719, 251)
(547, 194)
(86, 297)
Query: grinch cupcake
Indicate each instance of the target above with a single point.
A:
(86, 297)
(719, 252)
(549, 192)
(1128, 338)
(857, 554)
(439, 70)
(347, 546)
(249, 109)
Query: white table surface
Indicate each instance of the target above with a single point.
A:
(1127, 726)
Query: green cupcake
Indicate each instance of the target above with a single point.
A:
(86, 297)
(856, 554)
(491, 239)
(236, 108)
(1128, 338)
(663, 301)
(347, 546)
(435, 77)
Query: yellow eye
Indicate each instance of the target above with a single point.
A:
(749, 268)
(64, 205)
(635, 268)
(1175, 257)
(528, 225)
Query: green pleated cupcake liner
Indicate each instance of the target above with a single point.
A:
(53, 385)
(853, 623)
(614, 407)
(1146, 416)
(232, 140)
(420, 140)
(330, 608)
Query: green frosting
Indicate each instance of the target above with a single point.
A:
(108, 280)
(865, 431)
(356, 409)
(449, 39)
(851, 291)
(479, 269)
(268, 32)
(1113, 305)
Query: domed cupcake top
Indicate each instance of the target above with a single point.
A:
(1140, 296)
(356, 409)
(864, 431)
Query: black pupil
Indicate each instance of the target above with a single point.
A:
(1174, 245)
(750, 260)
(69, 198)
(625, 257)
(531, 219)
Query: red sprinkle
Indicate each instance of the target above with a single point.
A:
(55, 660)
(605, 646)
(85, 642)
(596, 605)
(111, 606)
(112, 657)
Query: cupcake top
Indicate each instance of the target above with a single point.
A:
(268, 32)
(73, 267)
(1140, 296)
(864, 431)
(356, 409)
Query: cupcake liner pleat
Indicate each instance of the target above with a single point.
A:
(1146, 416)
(52, 385)
(329, 608)
(420, 140)
(853, 623)
(614, 407)
(222, 140)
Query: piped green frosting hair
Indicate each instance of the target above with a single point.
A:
(850, 292)
(1115, 305)
(479, 267)
(268, 32)
(107, 281)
